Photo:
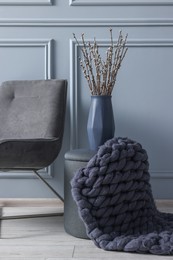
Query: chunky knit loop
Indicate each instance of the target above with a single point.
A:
(115, 201)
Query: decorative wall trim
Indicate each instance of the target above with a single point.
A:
(74, 88)
(47, 45)
(119, 2)
(26, 2)
(45, 173)
(73, 96)
(86, 22)
(161, 175)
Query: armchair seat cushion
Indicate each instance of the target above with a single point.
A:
(28, 153)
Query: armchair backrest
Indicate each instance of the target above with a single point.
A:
(32, 109)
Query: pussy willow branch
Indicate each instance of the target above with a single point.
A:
(110, 56)
(118, 58)
(101, 75)
(88, 64)
(97, 63)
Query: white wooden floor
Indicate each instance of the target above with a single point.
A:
(45, 238)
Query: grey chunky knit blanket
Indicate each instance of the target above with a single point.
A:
(115, 201)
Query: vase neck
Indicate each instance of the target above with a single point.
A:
(101, 96)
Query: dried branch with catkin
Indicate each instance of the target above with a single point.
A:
(101, 75)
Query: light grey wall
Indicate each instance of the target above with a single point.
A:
(36, 42)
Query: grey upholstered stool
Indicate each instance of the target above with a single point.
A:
(74, 160)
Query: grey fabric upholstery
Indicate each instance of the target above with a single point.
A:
(31, 122)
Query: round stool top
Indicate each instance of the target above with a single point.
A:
(83, 155)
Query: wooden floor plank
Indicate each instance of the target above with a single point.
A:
(22, 258)
(94, 253)
(10, 202)
(11, 211)
(36, 251)
(45, 238)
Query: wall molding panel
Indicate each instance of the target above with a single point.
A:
(74, 108)
(46, 173)
(36, 36)
(25, 2)
(86, 22)
(161, 174)
(118, 2)
(47, 45)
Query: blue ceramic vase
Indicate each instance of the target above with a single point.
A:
(100, 126)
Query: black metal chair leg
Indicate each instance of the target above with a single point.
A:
(36, 215)
(48, 185)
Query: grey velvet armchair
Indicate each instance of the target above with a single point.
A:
(32, 117)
